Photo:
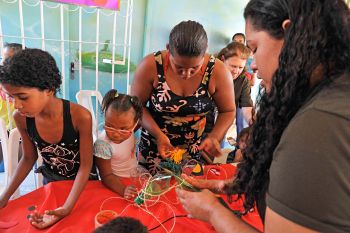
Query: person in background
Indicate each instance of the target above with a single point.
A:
(235, 56)
(250, 75)
(239, 37)
(237, 155)
(181, 85)
(56, 129)
(297, 159)
(122, 225)
(9, 50)
(114, 150)
(6, 106)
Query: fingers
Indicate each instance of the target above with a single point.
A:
(59, 212)
(212, 147)
(203, 145)
(190, 179)
(182, 194)
(39, 225)
(35, 217)
(215, 149)
(54, 212)
(47, 220)
(130, 192)
(165, 152)
(50, 217)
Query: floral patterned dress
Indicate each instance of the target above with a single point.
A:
(182, 119)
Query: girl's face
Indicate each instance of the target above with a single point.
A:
(243, 142)
(119, 126)
(186, 67)
(266, 50)
(235, 65)
(29, 101)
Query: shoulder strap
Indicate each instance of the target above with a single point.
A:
(30, 122)
(68, 128)
(159, 63)
(208, 70)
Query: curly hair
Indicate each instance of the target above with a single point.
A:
(317, 39)
(32, 68)
(122, 225)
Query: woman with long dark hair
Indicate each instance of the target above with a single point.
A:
(298, 157)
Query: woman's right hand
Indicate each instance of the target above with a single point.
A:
(199, 205)
(215, 186)
(164, 146)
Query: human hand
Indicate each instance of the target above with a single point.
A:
(130, 192)
(214, 185)
(211, 146)
(3, 202)
(200, 205)
(49, 218)
(164, 146)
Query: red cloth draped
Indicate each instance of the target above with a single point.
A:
(91, 201)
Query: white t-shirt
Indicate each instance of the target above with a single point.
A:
(122, 156)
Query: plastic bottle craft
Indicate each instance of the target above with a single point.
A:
(172, 167)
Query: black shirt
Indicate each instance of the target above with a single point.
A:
(242, 92)
(61, 161)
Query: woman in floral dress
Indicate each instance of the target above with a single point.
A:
(178, 87)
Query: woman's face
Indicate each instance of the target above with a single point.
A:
(266, 50)
(235, 65)
(239, 38)
(119, 126)
(186, 67)
(29, 101)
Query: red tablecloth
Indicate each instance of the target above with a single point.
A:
(95, 197)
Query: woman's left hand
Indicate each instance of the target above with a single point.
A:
(49, 218)
(211, 146)
(199, 205)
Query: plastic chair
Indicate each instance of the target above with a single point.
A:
(10, 148)
(4, 146)
(84, 98)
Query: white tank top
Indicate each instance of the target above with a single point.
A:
(123, 160)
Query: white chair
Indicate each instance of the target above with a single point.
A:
(10, 148)
(4, 146)
(38, 177)
(84, 98)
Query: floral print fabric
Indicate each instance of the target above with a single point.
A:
(182, 119)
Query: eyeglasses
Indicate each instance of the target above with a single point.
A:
(120, 131)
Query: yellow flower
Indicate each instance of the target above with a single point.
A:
(177, 154)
